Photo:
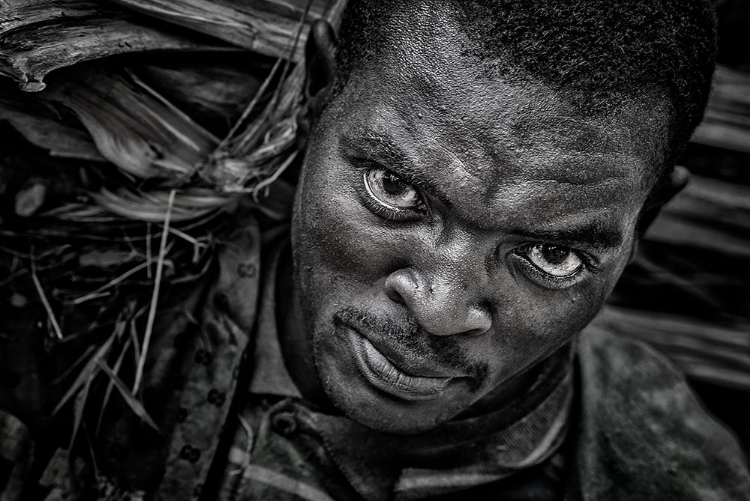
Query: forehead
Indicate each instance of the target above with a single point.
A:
(425, 71)
(424, 99)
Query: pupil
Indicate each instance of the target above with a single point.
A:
(393, 185)
(555, 255)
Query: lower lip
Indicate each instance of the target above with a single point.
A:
(382, 374)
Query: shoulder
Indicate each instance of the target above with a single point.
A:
(644, 434)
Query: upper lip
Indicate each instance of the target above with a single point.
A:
(417, 365)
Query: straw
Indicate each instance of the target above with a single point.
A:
(155, 295)
(45, 302)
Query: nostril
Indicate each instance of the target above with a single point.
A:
(394, 295)
(399, 286)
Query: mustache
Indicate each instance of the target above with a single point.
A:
(413, 341)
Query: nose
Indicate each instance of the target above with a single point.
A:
(442, 306)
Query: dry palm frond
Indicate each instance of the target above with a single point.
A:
(212, 87)
(131, 125)
(264, 147)
(151, 206)
(708, 214)
(42, 126)
(147, 222)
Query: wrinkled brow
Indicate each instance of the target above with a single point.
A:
(371, 145)
(593, 234)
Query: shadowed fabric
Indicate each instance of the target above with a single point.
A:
(644, 435)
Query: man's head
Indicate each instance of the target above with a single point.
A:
(473, 186)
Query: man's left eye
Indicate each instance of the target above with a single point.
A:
(391, 191)
(555, 260)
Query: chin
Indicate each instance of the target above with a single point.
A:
(384, 414)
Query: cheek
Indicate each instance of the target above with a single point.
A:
(335, 240)
(532, 323)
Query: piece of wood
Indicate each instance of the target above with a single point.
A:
(263, 26)
(39, 36)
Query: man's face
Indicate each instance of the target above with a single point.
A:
(452, 231)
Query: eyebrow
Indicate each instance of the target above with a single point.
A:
(594, 235)
(366, 142)
(370, 144)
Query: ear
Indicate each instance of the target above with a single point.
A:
(677, 181)
(320, 66)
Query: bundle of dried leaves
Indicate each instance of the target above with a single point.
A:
(148, 120)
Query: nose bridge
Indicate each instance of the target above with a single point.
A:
(457, 261)
(444, 287)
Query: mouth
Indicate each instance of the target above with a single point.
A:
(383, 374)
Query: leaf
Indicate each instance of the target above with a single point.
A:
(108, 393)
(29, 200)
(105, 259)
(131, 125)
(90, 369)
(79, 407)
(135, 405)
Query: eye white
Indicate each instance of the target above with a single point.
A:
(554, 260)
(389, 190)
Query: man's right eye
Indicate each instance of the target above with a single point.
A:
(390, 196)
(390, 190)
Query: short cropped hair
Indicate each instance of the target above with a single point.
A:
(595, 52)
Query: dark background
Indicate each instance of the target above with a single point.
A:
(688, 293)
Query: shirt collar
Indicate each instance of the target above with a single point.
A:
(270, 375)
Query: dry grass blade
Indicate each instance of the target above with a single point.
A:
(45, 302)
(56, 137)
(130, 126)
(255, 152)
(150, 207)
(90, 369)
(133, 403)
(86, 356)
(155, 295)
(78, 408)
(110, 386)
